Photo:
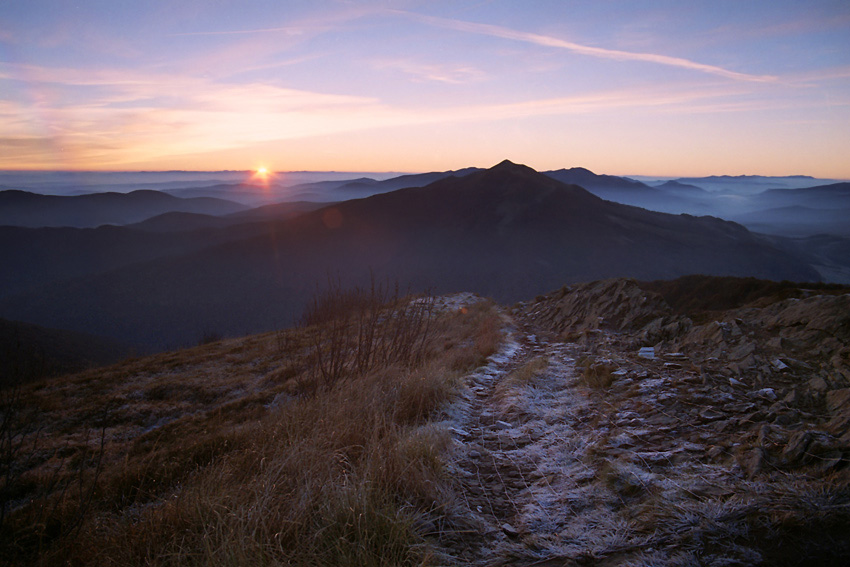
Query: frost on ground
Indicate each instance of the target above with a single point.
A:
(582, 452)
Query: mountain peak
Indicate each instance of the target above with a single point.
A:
(508, 165)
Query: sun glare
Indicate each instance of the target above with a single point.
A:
(262, 175)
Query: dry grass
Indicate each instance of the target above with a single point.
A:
(215, 456)
(596, 374)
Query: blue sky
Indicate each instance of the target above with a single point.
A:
(652, 88)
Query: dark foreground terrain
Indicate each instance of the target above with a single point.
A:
(454, 431)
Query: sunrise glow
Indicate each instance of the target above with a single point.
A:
(760, 87)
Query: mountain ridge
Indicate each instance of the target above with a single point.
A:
(508, 232)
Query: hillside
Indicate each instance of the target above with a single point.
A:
(508, 232)
(29, 352)
(21, 208)
(533, 435)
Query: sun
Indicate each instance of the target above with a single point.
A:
(262, 174)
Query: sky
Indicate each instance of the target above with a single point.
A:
(665, 88)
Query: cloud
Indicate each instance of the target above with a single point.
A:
(288, 30)
(420, 72)
(120, 116)
(549, 41)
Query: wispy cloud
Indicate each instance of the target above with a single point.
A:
(441, 73)
(288, 30)
(549, 41)
(121, 118)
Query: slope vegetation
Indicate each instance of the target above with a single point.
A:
(310, 446)
(450, 431)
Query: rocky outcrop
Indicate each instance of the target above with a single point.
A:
(775, 379)
(614, 305)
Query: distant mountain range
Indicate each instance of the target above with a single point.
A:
(21, 208)
(508, 232)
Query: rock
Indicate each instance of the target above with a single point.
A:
(766, 393)
(647, 352)
(754, 417)
(747, 363)
(662, 420)
(818, 384)
(733, 328)
(742, 351)
(771, 437)
(779, 365)
(797, 365)
(655, 457)
(838, 402)
(710, 414)
(784, 419)
(792, 398)
(838, 406)
(509, 530)
(617, 304)
(751, 462)
(795, 450)
(503, 425)
(459, 432)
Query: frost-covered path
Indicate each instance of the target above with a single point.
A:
(511, 440)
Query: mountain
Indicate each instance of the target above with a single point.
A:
(592, 181)
(798, 221)
(21, 208)
(508, 232)
(366, 187)
(827, 253)
(37, 257)
(182, 222)
(831, 196)
(246, 194)
(748, 184)
(624, 190)
(679, 188)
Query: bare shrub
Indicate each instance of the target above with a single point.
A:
(363, 330)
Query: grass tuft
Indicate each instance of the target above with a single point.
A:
(596, 374)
